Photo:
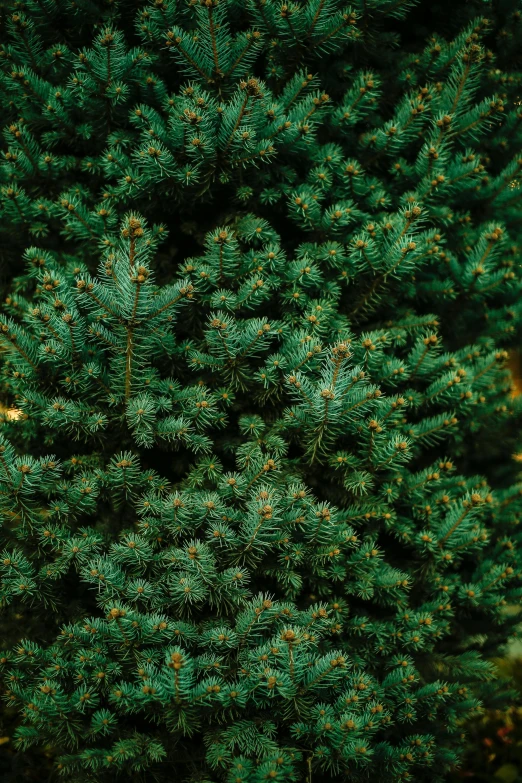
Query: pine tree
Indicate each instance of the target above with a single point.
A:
(259, 508)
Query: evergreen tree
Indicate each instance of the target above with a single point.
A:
(260, 517)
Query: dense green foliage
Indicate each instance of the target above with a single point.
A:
(259, 514)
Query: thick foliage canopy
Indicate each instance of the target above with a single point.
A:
(258, 518)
